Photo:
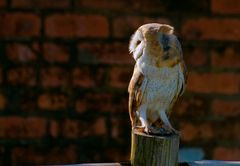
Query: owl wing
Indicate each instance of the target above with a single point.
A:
(182, 68)
(182, 82)
(183, 77)
(136, 91)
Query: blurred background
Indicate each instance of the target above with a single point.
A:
(65, 68)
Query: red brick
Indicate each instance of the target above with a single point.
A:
(99, 127)
(188, 132)
(119, 126)
(126, 26)
(18, 127)
(21, 53)
(44, 156)
(229, 58)
(226, 108)
(1, 75)
(225, 6)
(74, 129)
(228, 130)
(195, 57)
(54, 129)
(54, 77)
(88, 78)
(2, 3)
(114, 53)
(52, 101)
(222, 153)
(27, 101)
(206, 131)
(40, 3)
(222, 83)
(3, 102)
(82, 78)
(81, 106)
(189, 107)
(154, 6)
(205, 29)
(19, 25)
(56, 53)
(187, 6)
(22, 76)
(193, 132)
(86, 102)
(181, 107)
(104, 4)
(120, 76)
(115, 128)
(100, 76)
(116, 155)
(99, 104)
(72, 25)
(120, 104)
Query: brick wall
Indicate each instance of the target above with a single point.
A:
(65, 67)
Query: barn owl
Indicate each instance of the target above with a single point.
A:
(158, 79)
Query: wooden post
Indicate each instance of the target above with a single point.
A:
(150, 150)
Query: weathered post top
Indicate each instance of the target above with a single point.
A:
(154, 150)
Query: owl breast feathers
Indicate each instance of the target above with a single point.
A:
(159, 78)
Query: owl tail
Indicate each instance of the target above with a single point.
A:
(166, 29)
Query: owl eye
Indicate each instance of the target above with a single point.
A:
(138, 42)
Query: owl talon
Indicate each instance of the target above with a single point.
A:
(176, 132)
(146, 130)
(154, 130)
(139, 129)
(173, 131)
(170, 130)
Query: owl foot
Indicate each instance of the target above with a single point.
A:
(140, 129)
(154, 130)
(170, 130)
(146, 130)
(162, 131)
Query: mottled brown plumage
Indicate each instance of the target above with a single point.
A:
(135, 94)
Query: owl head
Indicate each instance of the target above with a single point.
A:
(154, 44)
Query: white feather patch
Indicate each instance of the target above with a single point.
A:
(138, 51)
